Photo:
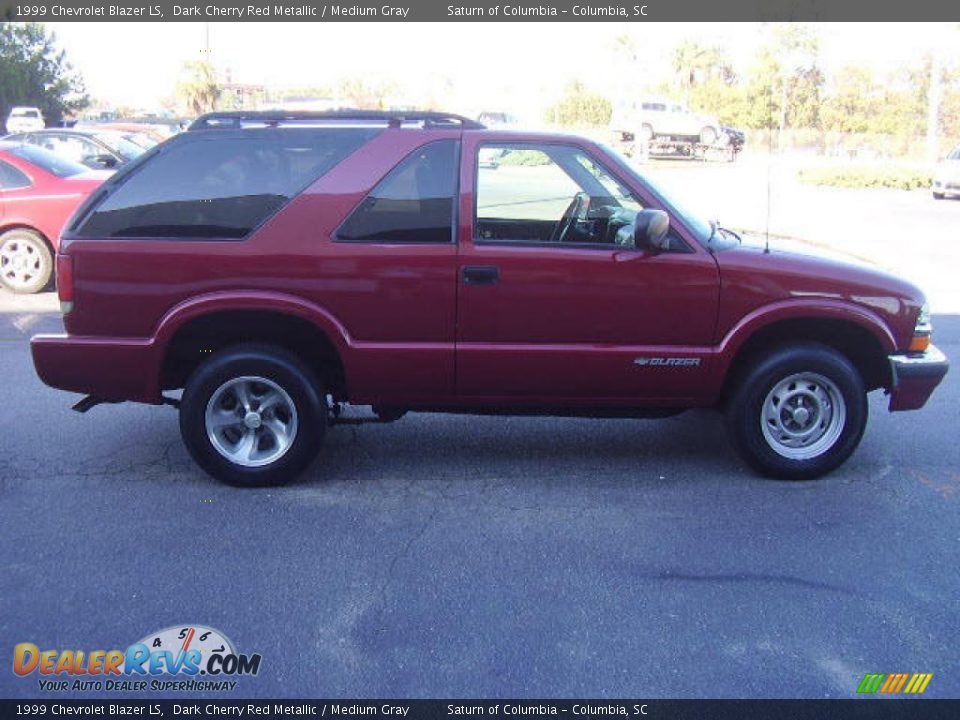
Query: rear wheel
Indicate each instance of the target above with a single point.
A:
(253, 415)
(646, 133)
(938, 196)
(26, 264)
(799, 412)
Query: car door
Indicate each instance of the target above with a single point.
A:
(553, 306)
(389, 272)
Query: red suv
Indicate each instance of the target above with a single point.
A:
(279, 266)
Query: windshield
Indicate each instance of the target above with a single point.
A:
(697, 224)
(141, 140)
(120, 145)
(25, 113)
(48, 161)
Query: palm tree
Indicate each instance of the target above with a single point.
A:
(200, 89)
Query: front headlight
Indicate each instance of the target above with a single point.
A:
(922, 331)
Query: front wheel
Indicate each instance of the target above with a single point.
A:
(253, 415)
(708, 136)
(799, 412)
(938, 195)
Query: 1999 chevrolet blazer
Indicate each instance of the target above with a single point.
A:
(277, 266)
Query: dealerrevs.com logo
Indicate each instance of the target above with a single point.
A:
(179, 658)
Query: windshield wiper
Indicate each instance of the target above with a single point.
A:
(728, 231)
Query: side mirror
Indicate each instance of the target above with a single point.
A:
(650, 230)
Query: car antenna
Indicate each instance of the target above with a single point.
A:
(766, 244)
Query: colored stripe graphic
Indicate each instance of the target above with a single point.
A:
(918, 683)
(871, 682)
(894, 683)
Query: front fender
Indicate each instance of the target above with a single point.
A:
(799, 309)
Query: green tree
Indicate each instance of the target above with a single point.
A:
(697, 64)
(199, 90)
(764, 91)
(35, 72)
(360, 93)
(853, 101)
(579, 106)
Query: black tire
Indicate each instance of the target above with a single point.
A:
(26, 263)
(938, 196)
(254, 367)
(822, 378)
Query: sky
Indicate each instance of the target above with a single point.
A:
(521, 67)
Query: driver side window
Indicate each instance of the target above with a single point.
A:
(549, 194)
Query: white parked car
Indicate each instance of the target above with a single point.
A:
(25, 119)
(650, 119)
(946, 178)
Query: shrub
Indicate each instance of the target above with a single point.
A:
(899, 178)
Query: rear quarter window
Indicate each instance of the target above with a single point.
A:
(413, 203)
(11, 178)
(218, 183)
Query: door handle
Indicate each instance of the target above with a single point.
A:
(481, 275)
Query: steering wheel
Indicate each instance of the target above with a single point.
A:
(576, 211)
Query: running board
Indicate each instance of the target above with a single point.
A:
(91, 401)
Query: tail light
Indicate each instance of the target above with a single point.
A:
(65, 282)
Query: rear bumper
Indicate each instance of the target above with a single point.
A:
(915, 377)
(108, 368)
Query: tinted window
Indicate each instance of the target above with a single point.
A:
(11, 178)
(48, 161)
(413, 204)
(220, 183)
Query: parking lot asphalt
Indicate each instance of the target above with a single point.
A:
(446, 556)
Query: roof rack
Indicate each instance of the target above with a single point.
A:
(273, 118)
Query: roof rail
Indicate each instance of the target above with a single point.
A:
(272, 118)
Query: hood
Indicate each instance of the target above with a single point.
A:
(948, 170)
(754, 278)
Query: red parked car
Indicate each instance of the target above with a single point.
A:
(276, 267)
(38, 193)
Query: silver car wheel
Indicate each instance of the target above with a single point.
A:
(251, 421)
(803, 416)
(21, 262)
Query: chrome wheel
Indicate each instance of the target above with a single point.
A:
(803, 416)
(22, 262)
(251, 421)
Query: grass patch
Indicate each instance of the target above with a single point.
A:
(872, 176)
(525, 158)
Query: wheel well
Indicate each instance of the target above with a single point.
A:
(854, 341)
(22, 226)
(197, 339)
